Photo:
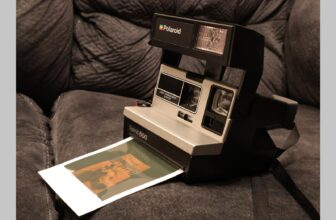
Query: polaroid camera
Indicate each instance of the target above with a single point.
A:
(208, 125)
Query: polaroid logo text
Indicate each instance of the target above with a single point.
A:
(163, 27)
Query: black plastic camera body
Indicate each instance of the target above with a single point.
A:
(246, 148)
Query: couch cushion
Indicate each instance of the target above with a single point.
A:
(44, 39)
(111, 51)
(302, 162)
(302, 49)
(33, 153)
(86, 121)
(113, 55)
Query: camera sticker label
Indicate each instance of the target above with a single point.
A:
(167, 96)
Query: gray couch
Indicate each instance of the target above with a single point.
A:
(80, 62)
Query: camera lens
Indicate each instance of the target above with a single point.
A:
(221, 102)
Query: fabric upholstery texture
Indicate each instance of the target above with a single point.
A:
(303, 52)
(112, 55)
(302, 163)
(111, 51)
(81, 117)
(78, 129)
(44, 41)
(102, 46)
(33, 153)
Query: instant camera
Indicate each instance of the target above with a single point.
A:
(209, 126)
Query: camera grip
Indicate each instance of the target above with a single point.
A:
(274, 112)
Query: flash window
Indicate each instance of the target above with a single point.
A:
(211, 39)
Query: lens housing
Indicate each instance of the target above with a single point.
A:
(221, 102)
(217, 109)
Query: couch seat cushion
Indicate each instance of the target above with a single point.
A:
(33, 153)
(85, 121)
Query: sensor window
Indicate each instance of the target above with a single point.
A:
(190, 96)
(178, 92)
(170, 84)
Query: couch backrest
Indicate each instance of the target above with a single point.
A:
(44, 44)
(112, 52)
(302, 50)
(103, 44)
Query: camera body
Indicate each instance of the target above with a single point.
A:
(184, 112)
(209, 127)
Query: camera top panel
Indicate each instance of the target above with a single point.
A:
(223, 43)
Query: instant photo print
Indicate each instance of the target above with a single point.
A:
(209, 127)
(98, 178)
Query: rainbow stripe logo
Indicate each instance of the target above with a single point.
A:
(163, 27)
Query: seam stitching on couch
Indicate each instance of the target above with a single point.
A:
(43, 123)
(57, 202)
(54, 115)
(45, 157)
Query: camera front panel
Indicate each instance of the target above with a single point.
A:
(204, 105)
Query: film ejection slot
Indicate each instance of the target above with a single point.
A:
(184, 116)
